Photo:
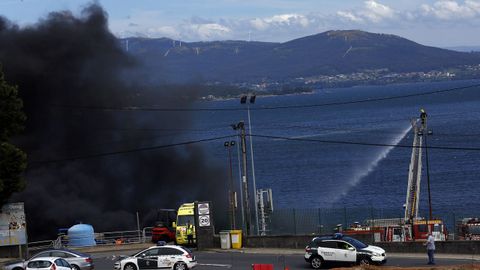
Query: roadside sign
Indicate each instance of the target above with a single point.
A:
(203, 209)
(204, 221)
(13, 225)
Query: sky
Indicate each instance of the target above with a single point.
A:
(440, 23)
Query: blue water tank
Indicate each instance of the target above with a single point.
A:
(81, 235)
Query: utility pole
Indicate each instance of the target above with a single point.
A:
(231, 192)
(423, 118)
(241, 126)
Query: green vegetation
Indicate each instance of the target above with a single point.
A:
(13, 161)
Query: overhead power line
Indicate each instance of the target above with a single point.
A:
(159, 109)
(95, 155)
(362, 143)
(103, 154)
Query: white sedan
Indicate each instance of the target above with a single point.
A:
(48, 263)
(157, 257)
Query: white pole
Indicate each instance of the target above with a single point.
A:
(240, 184)
(138, 227)
(253, 170)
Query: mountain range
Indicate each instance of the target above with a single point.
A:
(327, 53)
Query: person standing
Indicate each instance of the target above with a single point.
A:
(430, 248)
(189, 233)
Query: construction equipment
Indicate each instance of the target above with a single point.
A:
(163, 229)
(411, 227)
(469, 229)
(414, 173)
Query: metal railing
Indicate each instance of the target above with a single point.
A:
(325, 220)
(101, 238)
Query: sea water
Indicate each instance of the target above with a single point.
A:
(320, 168)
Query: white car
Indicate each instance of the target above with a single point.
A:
(77, 260)
(48, 263)
(342, 249)
(167, 257)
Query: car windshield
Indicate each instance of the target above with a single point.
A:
(140, 252)
(357, 244)
(183, 220)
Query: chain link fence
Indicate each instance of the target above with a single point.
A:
(325, 220)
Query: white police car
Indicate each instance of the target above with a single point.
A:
(342, 249)
(158, 257)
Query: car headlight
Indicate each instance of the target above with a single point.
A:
(376, 254)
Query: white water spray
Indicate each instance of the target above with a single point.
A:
(382, 155)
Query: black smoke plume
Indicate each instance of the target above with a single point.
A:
(65, 61)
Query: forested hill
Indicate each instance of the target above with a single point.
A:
(328, 53)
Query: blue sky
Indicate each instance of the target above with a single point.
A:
(431, 22)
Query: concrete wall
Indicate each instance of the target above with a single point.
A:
(300, 241)
(288, 241)
(450, 247)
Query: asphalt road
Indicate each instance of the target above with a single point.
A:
(243, 261)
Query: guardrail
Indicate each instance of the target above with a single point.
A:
(40, 245)
(101, 238)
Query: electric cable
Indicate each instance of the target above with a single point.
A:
(103, 154)
(362, 143)
(367, 100)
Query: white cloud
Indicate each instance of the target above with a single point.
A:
(163, 31)
(452, 10)
(349, 16)
(371, 15)
(376, 11)
(282, 20)
(372, 11)
(208, 31)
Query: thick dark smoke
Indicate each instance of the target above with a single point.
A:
(65, 61)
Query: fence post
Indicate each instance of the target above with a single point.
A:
(454, 225)
(294, 222)
(320, 220)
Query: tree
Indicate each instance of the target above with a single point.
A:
(13, 161)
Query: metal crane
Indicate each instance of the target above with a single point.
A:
(419, 127)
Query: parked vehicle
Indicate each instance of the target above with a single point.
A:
(164, 226)
(185, 218)
(342, 249)
(469, 229)
(77, 260)
(168, 257)
(397, 230)
(48, 263)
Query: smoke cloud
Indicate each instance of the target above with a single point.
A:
(65, 61)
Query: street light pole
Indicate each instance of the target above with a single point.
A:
(240, 185)
(241, 126)
(252, 101)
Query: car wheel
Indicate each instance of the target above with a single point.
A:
(365, 261)
(180, 266)
(17, 268)
(316, 262)
(130, 266)
(75, 267)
